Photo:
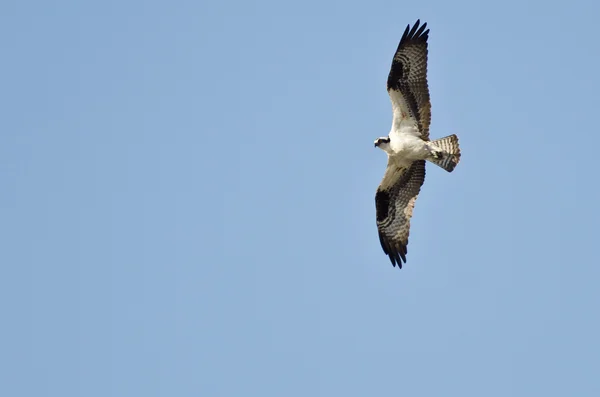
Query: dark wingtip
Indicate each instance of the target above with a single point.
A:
(415, 33)
(420, 32)
(405, 34)
(414, 28)
(397, 255)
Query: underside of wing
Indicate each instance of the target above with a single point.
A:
(394, 202)
(407, 81)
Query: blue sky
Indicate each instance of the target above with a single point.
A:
(188, 201)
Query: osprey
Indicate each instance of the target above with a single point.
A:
(408, 145)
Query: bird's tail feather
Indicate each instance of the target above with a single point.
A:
(451, 150)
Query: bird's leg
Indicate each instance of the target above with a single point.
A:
(434, 151)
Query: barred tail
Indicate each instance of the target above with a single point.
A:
(451, 156)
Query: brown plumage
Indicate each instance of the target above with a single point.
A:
(408, 145)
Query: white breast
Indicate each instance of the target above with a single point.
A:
(408, 146)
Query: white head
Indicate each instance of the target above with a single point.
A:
(383, 143)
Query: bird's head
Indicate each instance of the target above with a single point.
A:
(383, 143)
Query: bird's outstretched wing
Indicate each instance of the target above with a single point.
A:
(394, 201)
(407, 82)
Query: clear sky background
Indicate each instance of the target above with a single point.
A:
(187, 202)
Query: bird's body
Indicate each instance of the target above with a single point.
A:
(408, 146)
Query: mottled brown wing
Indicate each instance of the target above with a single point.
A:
(407, 81)
(394, 201)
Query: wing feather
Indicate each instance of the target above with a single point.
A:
(394, 202)
(407, 81)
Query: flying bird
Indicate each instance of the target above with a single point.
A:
(408, 146)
